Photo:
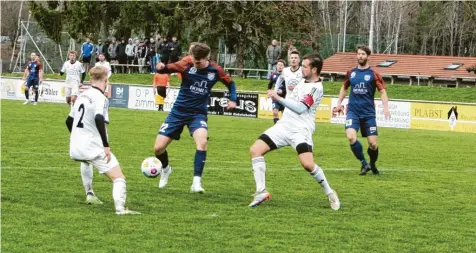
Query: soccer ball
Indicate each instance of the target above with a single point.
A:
(151, 167)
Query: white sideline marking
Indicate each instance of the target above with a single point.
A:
(271, 169)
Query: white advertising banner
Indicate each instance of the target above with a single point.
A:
(170, 99)
(143, 98)
(399, 112)
(50, 91)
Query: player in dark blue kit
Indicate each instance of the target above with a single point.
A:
(33, 76)
(277, 107)
(190, 109)
(363, 82)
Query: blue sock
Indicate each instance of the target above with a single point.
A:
(199, 163)
(358, 152)
(275, 120)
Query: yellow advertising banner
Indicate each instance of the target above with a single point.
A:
(323, 113)
(443, 117)
(265, 109)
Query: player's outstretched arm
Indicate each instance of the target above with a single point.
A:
(175, 67)
(229, 83)
(295, 106)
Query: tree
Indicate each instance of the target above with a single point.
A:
(10, 12)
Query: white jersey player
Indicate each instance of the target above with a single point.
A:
(103, 63)
(295, 129)
(291, 76)
(89, 141)
(75, 75)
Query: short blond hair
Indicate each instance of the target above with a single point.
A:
(97, 73)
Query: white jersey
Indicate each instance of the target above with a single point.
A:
(73, 72)
(105, 65)
(85, 141)
(310, 94)
(290, 78)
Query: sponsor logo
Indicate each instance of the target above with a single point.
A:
(211, 76)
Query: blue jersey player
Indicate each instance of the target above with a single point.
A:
(277, 107)
(363, 81)
(190, 109)
(33, 76)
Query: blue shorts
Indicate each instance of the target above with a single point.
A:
(278, 106)
(173, 125)
(367, 124)
(32, 82)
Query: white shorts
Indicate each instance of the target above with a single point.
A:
(71, 89)
(283, 135)
(101, 163)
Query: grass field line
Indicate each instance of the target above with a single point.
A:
(383, 170)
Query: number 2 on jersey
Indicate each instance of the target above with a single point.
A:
(163, 127)
(80, 122)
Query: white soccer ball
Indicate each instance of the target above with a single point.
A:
(151, 167)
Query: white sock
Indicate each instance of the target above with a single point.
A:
(87, 176)
(259, 171)
(197, 180)
(119, 193)
(318, 174)
(166, 169)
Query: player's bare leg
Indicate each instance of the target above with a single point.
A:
(357, 149)
(201, 140)
(119, 192)
(372, 151)
(87, 178)
(257, 151)
(307, 162)
(160, 149)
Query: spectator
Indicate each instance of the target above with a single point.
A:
(272, 54)
(112, 53)
(121, 55)
(99, 48)
(86, 53)
(140, 54)
(152, 54)
(175, 50)
(164, 50)
(105, 50)
(130, 54)
(161, 82)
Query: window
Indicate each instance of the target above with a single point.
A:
(387, 63)
(453, 66)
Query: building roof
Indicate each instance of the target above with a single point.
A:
(405, 65)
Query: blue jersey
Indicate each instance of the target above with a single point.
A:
(34, 68)
(87, 49)
(196, 86)
(363, 83)
(273, 78)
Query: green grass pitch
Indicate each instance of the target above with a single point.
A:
(424, 201)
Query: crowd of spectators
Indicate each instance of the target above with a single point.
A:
(133, 55)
